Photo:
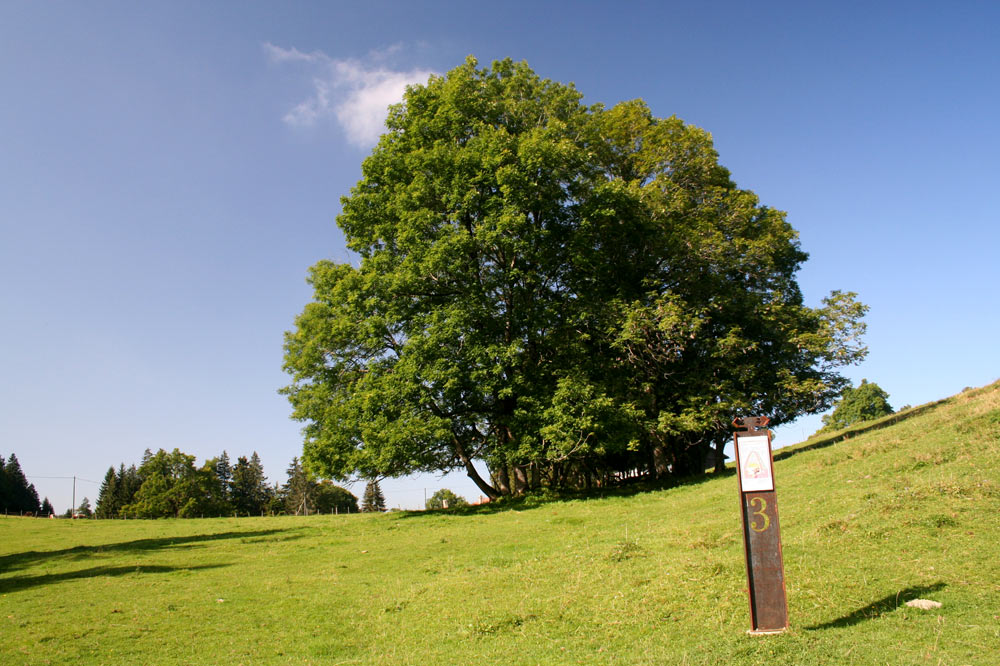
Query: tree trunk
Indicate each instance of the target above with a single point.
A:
(661, 462)
(520, 479)
(720, 457)
(472, 472)
(502, 479)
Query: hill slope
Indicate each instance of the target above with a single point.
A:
(870, 519)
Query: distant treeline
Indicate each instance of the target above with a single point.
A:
(16, 494)
(170, 485)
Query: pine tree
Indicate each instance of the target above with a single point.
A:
(261, 490)
(107, 496)
(84, 509)
(128, 484)
(298, 490)
(32, 505)
(373, 499)
(47, 509)
(241, 487)
(250, 492)
(225, 474)
(22, 496)
(5, 491)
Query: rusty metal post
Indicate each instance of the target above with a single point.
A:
(761, 531)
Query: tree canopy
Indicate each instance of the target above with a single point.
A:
(570, 293)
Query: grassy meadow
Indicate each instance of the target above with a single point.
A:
(870, 518)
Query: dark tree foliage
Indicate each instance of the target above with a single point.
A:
(572, 294)
(47, 509)
(330, 498)
(5, 490)
(251, 495)
(373, 500)
(17, 495)
(865, 403)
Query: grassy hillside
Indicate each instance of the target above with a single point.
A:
(870, 519)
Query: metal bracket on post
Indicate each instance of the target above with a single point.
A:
(761, 531)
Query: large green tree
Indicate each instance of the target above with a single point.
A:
(564, 292)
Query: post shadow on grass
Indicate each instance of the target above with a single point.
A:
(18, 583)
(21, 560)
(886, 604)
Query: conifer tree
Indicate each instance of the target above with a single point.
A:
(298, 490)
(373, 499)
(107, 496)
(47, 509)
(127, 485)
(84, 509)
(225, 473)
(5, 492)
(250, 491)
(22, 496)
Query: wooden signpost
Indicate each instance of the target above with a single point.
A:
(761, 532)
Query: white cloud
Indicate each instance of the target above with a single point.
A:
(278, 54)
(353, 94)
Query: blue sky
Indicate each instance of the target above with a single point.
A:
(169, 171)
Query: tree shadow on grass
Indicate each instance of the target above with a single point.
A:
(18, 583)
(21, 560)
(886, 604)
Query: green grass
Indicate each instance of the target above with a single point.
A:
(870, 518)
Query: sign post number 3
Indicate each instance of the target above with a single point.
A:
(761, 532)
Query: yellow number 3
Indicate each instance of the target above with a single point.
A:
(761, 508)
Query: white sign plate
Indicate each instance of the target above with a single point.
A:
(755, 464)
